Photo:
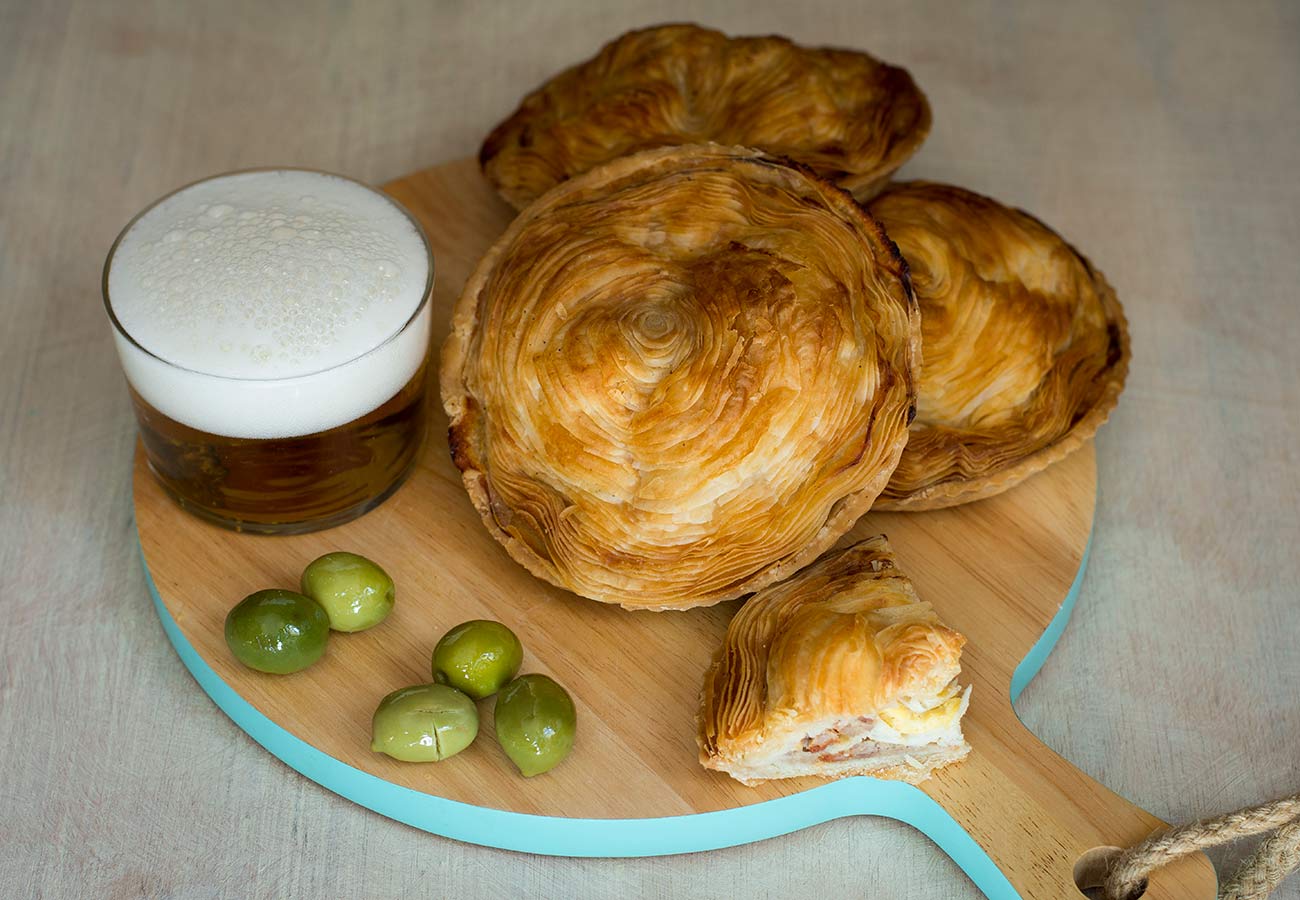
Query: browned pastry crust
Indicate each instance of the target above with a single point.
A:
(681, 376)
(1026, 345)
(850, 117)
(810, 667)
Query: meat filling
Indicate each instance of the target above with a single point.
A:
(841, 732)
(910, 725)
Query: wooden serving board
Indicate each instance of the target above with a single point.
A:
(1003, 571)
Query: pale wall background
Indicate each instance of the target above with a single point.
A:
(1161, 138)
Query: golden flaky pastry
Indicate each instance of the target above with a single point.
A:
(839, 671)
(681, 376)
(1025, 345)
(850, 117)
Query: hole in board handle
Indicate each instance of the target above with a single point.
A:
(1090, 871)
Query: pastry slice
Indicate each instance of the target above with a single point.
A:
(1025, 345)
(848, 116)
(840, 670)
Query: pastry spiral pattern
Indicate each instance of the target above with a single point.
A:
(1025, 343)
(681, 376)
(850, 117)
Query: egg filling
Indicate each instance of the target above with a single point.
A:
(910, 723)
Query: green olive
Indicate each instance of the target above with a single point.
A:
(535, 723)
(477, 657)
(424, 723)
(356, 592)
(277, 631)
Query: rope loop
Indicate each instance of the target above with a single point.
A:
(1276, 858)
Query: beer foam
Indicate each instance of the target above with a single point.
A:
(278, 298)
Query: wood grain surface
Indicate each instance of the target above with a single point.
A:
(997, 571)
(1160, 138)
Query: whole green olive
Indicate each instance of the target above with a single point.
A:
(535, 723)
(355, 592)
(477, 657)
(277, 631)
(424, 723)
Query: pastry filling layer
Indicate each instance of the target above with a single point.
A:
(911, 724)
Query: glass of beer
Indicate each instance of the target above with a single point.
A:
(273, 326)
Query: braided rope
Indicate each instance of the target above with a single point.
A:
(1274, 860)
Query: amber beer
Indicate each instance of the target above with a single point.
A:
(273, 326)
(286, 485)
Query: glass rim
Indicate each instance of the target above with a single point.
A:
(415, 314)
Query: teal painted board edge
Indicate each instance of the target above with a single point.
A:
(560, 836)
(1038, 653)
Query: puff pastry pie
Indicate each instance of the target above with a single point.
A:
(850, 117)
(839, 671)
(681, 376)
(1025, 345)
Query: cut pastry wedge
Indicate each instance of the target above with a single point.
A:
(840, 670)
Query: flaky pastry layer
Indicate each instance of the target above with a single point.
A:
(824, 673)
(851, 118)
(681, 376)
(1026, 345)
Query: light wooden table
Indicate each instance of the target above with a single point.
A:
(1165, 140)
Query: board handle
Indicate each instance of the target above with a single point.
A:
(1045, 824)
